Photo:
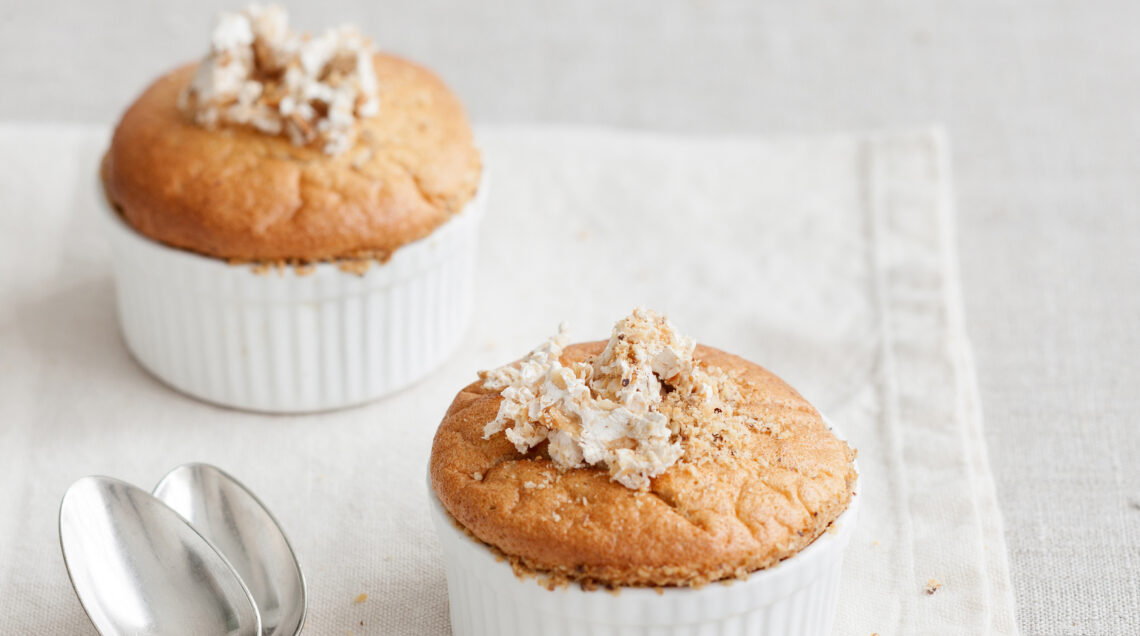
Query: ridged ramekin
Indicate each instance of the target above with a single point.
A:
(797, 597)
(288, 342)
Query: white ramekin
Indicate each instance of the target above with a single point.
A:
(797, 597)
(289, 342)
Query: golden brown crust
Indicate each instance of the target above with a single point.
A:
(757, 501)
(237, 194)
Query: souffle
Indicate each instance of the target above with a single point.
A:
(280, 146)
(644, 460)
(294, 219)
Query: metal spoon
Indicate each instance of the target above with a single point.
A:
(243, 530)
(140, 569)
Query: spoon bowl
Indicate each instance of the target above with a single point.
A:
(140, 569)
(242, 529)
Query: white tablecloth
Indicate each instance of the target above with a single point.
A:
(829, 260)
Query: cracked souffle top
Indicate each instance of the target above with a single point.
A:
(284, 147)
(645, 460)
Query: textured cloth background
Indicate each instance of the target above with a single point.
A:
(829, 260)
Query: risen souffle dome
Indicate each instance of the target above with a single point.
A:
(279, 147)
(644, 460)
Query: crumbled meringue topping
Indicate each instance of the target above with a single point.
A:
(604, 411)
(260, 73)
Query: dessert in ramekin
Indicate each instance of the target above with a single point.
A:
(702, 490)
(293, 219)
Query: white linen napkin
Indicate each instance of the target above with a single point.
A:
(829, 260)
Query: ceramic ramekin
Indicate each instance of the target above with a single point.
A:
(289, 342)
(797, 597)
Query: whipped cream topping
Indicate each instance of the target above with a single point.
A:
(603, 411)
(262, 74)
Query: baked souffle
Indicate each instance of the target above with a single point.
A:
(644, 460)
(280, 146)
